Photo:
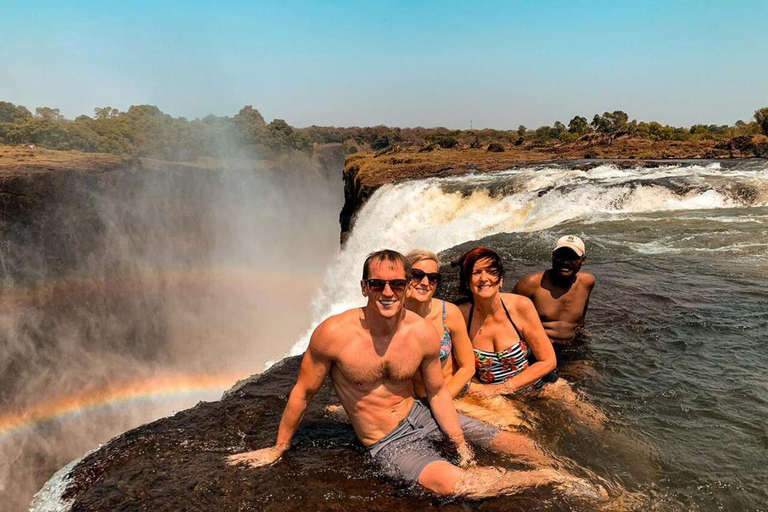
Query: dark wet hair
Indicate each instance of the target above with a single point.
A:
(466, 263)
(387, 255)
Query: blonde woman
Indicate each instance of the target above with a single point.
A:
(456, 357)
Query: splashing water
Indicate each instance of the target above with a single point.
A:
(441, 213)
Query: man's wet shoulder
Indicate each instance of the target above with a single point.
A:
(419, 329)
(530, 282)
(341, 325)
(586, 279)
(415, 323)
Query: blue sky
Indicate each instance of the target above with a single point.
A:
(489, 64)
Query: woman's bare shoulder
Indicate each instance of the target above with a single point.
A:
(462, 309)
(518, 302)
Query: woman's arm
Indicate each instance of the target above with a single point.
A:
(462, 352)
(527, 320)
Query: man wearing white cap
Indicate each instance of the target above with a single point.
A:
(561, 294)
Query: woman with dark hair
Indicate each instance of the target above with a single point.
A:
(504, 328)
(513, 354)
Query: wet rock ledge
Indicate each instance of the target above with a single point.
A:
(178, 463)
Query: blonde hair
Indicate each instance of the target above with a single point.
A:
(418, 255)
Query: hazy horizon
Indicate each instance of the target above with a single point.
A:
(491, 65)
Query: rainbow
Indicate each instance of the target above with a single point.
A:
(153, 387)
(62, 290)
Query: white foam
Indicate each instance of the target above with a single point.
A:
(50, 497)
(421, 214)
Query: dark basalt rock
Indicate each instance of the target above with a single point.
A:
(178, 463)
(355, 196)
(746, 146)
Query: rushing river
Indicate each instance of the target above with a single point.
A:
(675, 354)
(677, 321)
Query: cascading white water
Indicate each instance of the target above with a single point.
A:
(440, 213)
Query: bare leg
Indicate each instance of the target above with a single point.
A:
(584, 411)
(497, 411)
(446, 479)
(521, 447)
(577, 370)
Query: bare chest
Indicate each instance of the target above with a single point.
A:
(566, 307)
(366, 366)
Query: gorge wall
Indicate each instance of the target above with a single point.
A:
(126, 282)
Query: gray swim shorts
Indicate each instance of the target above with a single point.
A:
(405, 452)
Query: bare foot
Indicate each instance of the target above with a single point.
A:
(579, 488)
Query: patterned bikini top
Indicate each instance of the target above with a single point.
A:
(496, 367)
(445, 344)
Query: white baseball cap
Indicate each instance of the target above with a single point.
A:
(572, 242)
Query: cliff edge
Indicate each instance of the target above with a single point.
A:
(366, 172)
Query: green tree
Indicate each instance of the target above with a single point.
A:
(249, 116)
(619, 120)
(611, 122)
(382, 141)
(105, 113)
(49, 113)
(557, 130)
(601, 123)
(542, 133)
(578, 125)
(761, 116)
(521, 130)
(10, 113)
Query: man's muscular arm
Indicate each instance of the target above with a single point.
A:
(314, 367)
(526, 286)
(589, 283)
(438, 396)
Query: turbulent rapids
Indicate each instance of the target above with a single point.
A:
(441, 213)
(675, 353)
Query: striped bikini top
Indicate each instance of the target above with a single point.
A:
(445, 344)
(496, 367)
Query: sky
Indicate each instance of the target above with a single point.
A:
(449, 63)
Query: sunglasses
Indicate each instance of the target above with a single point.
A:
(419, 275)
(378, 285)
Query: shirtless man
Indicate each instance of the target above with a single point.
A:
(371, 355)
(561, 294)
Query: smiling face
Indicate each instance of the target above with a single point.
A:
(566, 263)
(387, 302)
(485, 281)
(422, 290)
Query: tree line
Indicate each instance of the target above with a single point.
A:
(609, 124)
(144, 130)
